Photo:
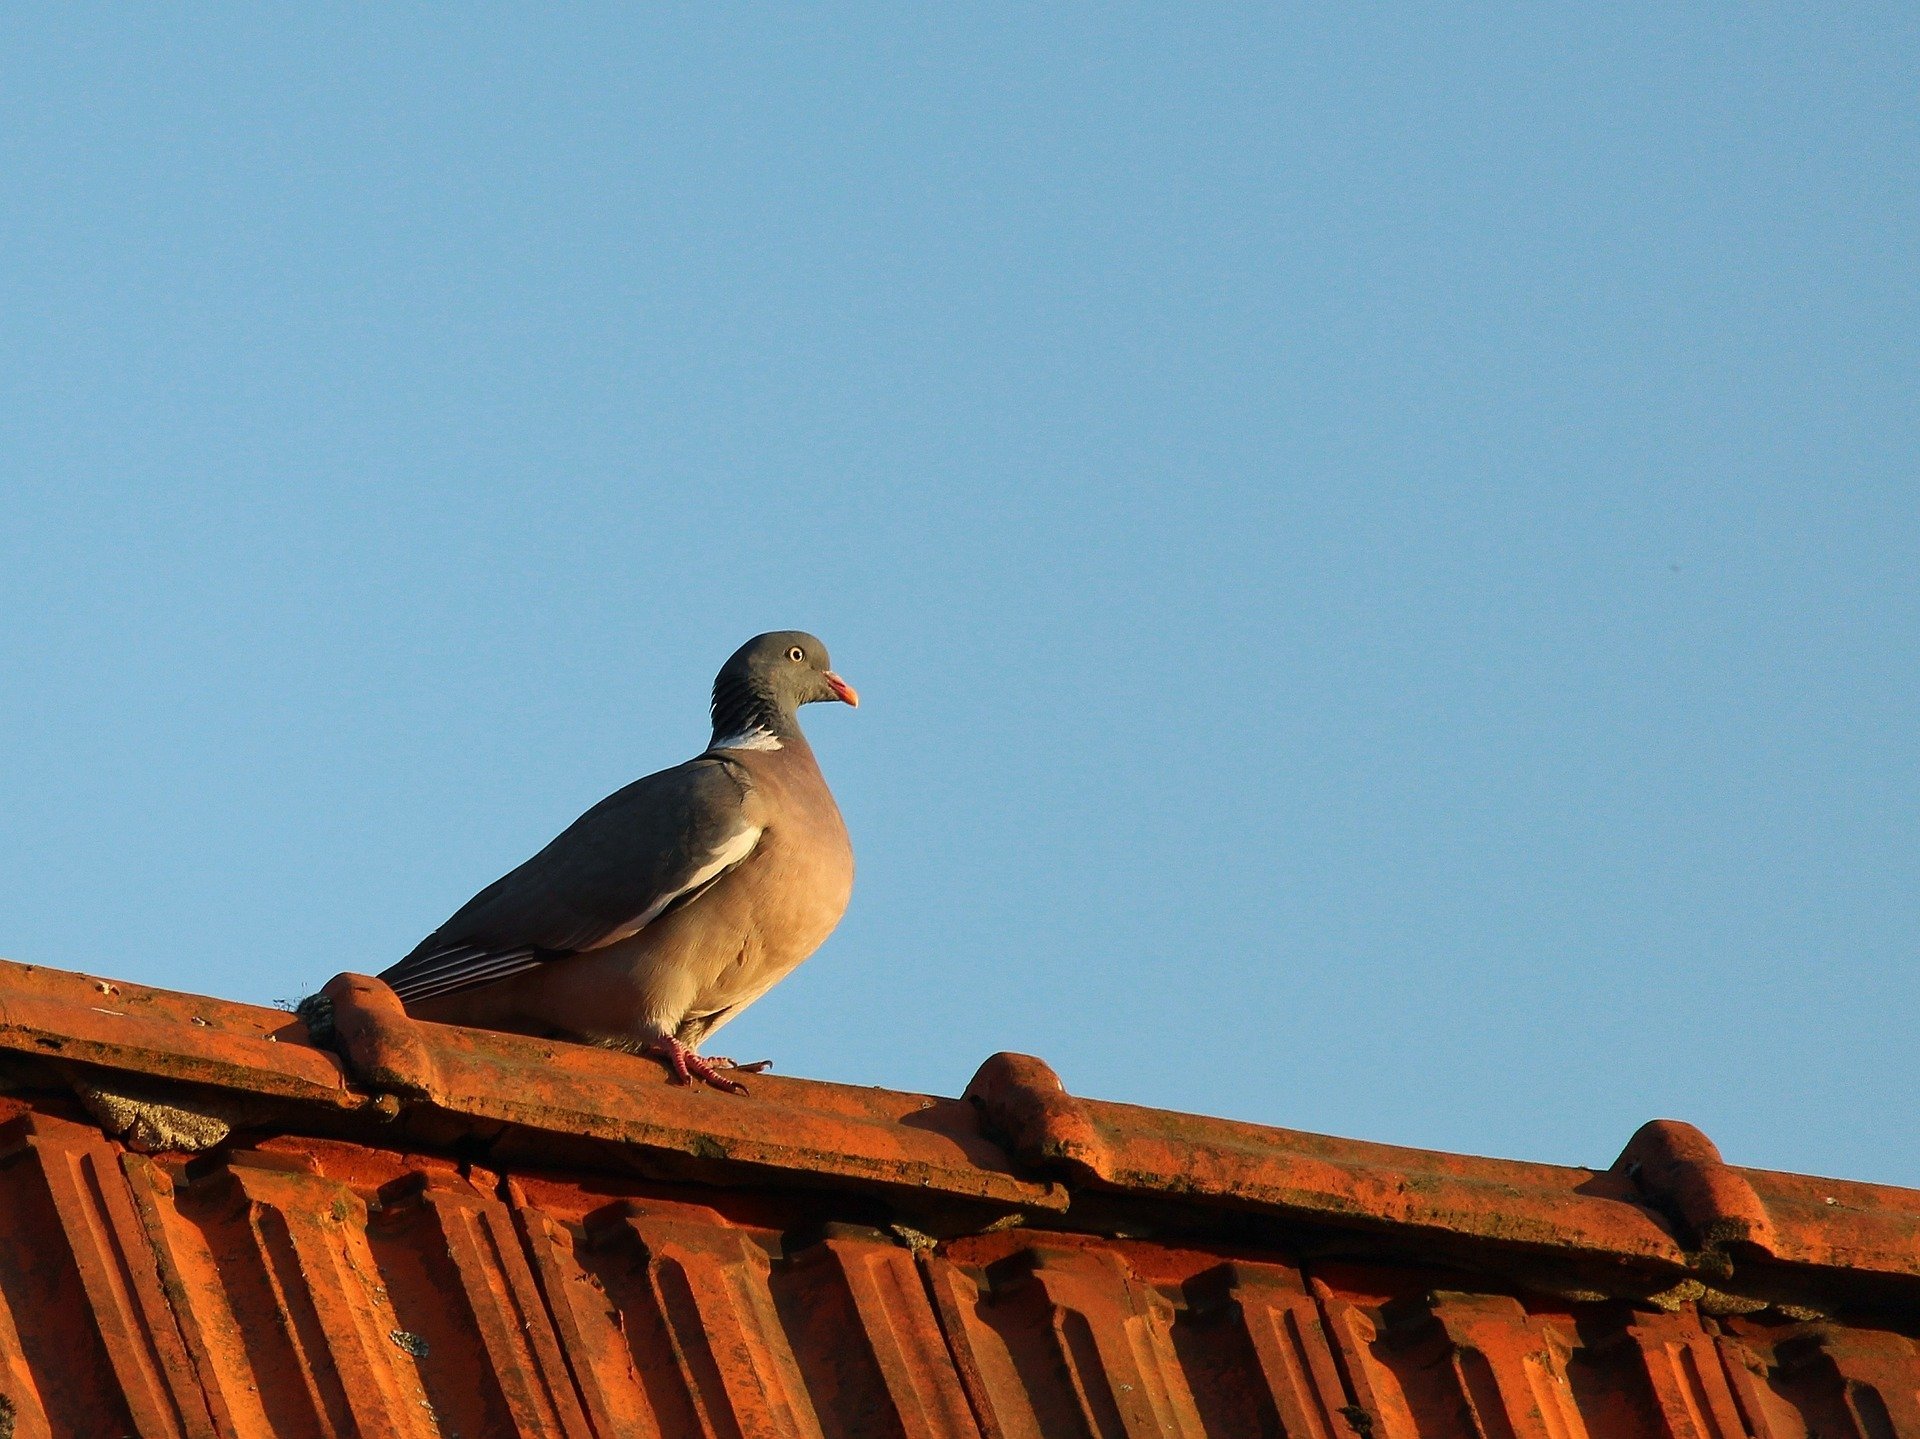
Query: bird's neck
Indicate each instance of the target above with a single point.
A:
(746, 719)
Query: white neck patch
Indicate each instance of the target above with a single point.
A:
(755, 738)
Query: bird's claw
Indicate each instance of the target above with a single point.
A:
(686, 1066)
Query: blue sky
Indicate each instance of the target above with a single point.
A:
(1379, 551)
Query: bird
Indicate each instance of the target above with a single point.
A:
(672, 904)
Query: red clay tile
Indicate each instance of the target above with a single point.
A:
(462, 1233)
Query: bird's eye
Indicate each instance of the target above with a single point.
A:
(796, 654)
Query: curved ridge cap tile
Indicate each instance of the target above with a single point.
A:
(1792, 1218)
(1840, 1223)
(1540, 1206)
(381, 1042)
(159, 1034)
(795, 1125)
(1194, 1157)
(1025, 1103)
(1679, 1169)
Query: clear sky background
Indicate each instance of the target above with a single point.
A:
(1379, 550)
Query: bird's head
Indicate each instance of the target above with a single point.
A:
(768, 678)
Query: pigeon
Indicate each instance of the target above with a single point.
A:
(674, 903)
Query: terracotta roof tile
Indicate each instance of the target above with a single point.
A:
(454, 1232)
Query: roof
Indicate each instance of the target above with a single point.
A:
(209, 1226)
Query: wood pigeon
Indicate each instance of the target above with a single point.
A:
(674, 903)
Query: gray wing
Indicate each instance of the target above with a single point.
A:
(653, 846)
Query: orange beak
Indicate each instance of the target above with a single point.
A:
(842, 691)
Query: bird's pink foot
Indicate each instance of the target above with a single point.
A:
(688, 1066)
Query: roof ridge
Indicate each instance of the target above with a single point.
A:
(1668, 1217)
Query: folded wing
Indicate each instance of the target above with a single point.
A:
(654, 846)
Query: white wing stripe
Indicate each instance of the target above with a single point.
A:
(724, 858)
